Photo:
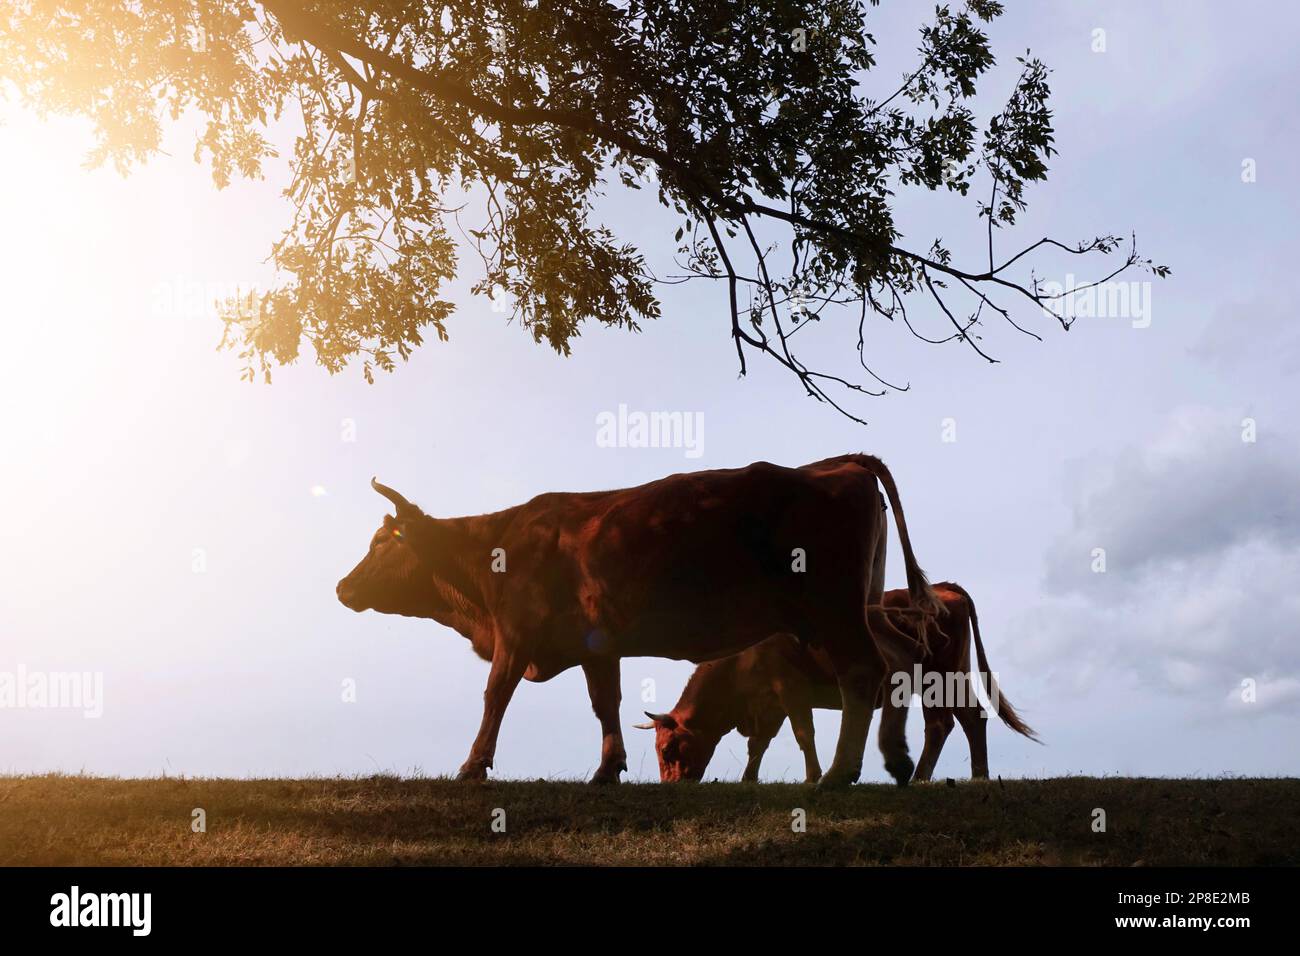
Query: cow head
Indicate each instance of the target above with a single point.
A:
(684, 754)
(389, 578)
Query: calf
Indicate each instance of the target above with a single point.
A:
(756, 690)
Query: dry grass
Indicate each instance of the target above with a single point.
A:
(54, 820)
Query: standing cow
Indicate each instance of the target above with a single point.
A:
(692, 567)
(754, 691)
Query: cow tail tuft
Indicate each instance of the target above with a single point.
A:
(1006, 712)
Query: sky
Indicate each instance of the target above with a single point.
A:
(180, 533)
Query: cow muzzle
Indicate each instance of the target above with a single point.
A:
(679, 774)
(347, 595)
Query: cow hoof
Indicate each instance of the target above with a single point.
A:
(608, 772)
(834, 780)
(472, 773)
(900, 769)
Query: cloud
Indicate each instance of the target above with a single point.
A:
(1196, 490)
(1267, 695)
(1201, 588)
(1255, 334)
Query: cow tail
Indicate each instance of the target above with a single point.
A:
(918, 586)
(1005, 711)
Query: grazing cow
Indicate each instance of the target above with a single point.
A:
(692, 567)
(754, 691)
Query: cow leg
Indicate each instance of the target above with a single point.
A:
(758, 745)
(976, 727)
(899, 653)
(766, 726)
(858, 685)
(938, 724)
(858, 672)
(604, 686)
(860, 668)
(893, 740)
(507, 669)
(801, 722)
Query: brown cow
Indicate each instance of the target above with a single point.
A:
(693, 567)
(754, 691)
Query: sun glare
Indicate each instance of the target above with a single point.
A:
(58, 246)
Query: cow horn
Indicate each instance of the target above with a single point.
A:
(666, 720)
(650, 726)
(400, 502)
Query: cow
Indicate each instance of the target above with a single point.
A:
(694, 566)
(756, 690)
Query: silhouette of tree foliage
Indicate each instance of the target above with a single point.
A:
(740, 116)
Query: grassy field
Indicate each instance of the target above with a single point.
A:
(392, 821)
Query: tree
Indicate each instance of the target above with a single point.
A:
(745, 117)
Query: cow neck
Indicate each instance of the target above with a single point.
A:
(459, 561)
(709, 706)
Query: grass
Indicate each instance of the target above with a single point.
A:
(63, 820)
